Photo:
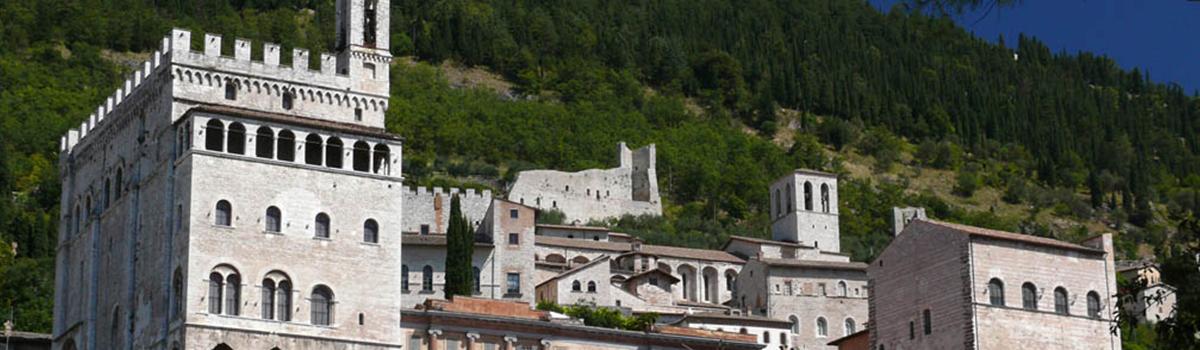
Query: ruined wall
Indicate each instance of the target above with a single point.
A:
(426, 207)
(594, 194)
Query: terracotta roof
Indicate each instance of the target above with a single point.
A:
(484, 306)
(431, 240)
(704, 333)
(573, 227)
(700, 304)
(293, 119)
(836, 342)
(690, 253)
(763, 241)
(1001, 235)
(582, 243)
(602, 258)
(650, 272)
(812, 264)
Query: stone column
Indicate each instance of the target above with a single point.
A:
(471, 339)
(433, 341)
(508, 342)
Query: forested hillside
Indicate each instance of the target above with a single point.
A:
(735, 93)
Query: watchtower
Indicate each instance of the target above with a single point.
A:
(804, 209)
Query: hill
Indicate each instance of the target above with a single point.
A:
(910, 109)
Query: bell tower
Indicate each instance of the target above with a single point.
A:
(363, 44)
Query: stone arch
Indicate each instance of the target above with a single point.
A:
(287, 146)
(808, 196)
(236, 138)
(382, 156)
(711, 283)
(688, 280)
(333, 152)
(556, 258)
(214, 139)
(314, 147)
(580, 260)
(264, 142)
(362, 156)
(825, 204)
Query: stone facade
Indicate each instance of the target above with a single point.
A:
(595, 194)
(172, 199)
(901, 217)
(942, 286)
(804, 210)
(427, 211)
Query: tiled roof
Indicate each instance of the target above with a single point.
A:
(739, 319)
(582, 243)
(812, 264)
(650, 272)
(431, 240)
(1001, 235)
(602, 258)
(690, 253)
(765, 241)
(573, 227)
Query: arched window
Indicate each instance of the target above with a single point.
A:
(321, 226)
(216, 288)
(766, 337)
(264, 143)
(825, 198)
(783, 338)
(313, 146)
(224, 213)
(1029, 296)
(322, 306)
(118, 183)
(795, 324)
(778, 204)
(333, 153)
(996, 292)
(288, 98)
(231, 90)
(822, 327)
(580, 260)
(404, 278)
(233, 294)
(381, 156)
(849, 327)
(476, 273)
(1093, 304)
(1060, 301)
(369, 23)
(214, 139)
(362, 156)
(274, 219)
(283, 297)
(591, 286)
(842, 289)
(371, 231)
(287, 146)
(237, 138)
(427, 279)
(808, 196)
(928, 322)
(576, 286)
(268, 299)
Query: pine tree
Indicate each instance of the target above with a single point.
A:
(460, 247)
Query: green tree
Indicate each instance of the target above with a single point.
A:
(460, 250)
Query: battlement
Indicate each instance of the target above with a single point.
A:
(427, 191)
(181, 42)
(133, 84)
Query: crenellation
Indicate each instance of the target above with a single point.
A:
(181, 40)
(328, 64)
(241, 50)
(271, 54)
(212, 45)
(300, 59)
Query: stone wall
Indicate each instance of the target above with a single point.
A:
(594, 194)
(806, 302)
(426, 207)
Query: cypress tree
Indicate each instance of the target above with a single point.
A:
(460, 247)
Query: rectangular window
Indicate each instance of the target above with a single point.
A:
(514, 283)
(358, 114)
(514, 239)
(513, 213)
(928, 323)
(424, 229)
(912, 330)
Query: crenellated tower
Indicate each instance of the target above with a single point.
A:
(363, 43)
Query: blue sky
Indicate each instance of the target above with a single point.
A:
(1158, 36)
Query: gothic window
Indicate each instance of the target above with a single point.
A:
(313, 146)
(996, 292)
(791, 198)
(288, 98)
(237, 138)
(822, 328)
(283, 297)
(808, 196)
(216, 288)
(928, 322)
(268, 299)
(842, 289)
(362, 156)
(825, 198)
(118, 182)
(177, 293)
(264, 143)
(795, 324)
(1060, 301)
(233, 294)
(107, 193)
(849, 327)
(371, 231)
(591, 287)
(321, 226)
(231, 90)
(1093, 304)
(287, 146)
(427, 279)
(214, 138)
(381, 160)
(1029, 296)
(322, 306)
(274, 219)
(576, 286)
(224, 213)
(369, 23)
(404, 278)
(333, 153)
